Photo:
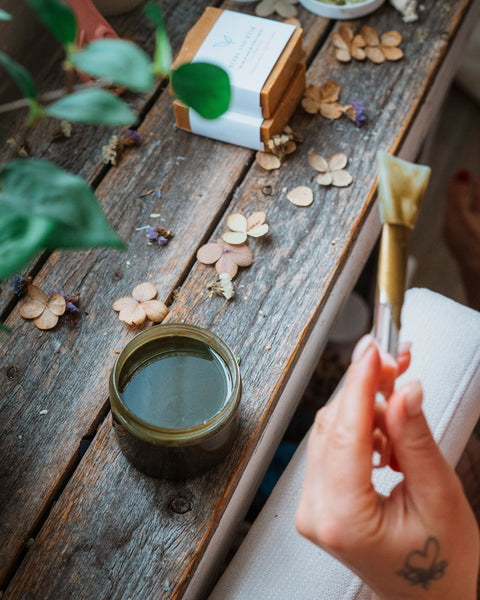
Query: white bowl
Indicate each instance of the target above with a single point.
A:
(349, 11)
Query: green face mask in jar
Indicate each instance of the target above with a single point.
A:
(174, 394)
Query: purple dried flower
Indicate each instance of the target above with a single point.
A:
(359, 116)
(70, 307)
(152, 233)
(162, 241)
(133, 135)
(158, 234)
(20, 283)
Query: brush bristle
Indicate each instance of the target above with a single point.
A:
(401, 187)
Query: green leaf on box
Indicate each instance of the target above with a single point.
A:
(4, 16)
(204, 87)
(94, 106)
(43, 206)
(20, 75)
(58, 18)
(117, 61)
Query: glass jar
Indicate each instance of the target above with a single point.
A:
(174, 394)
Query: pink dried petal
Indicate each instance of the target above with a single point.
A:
(145, 291)
(337, 161)
(341, 178)
(226, 264)
(209, 253)
(125, 303)
(155, 310)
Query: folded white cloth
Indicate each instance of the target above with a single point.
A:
(274, 562)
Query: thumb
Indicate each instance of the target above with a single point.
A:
(414, 447)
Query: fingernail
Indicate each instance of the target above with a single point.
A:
(362, 346)
(463, 176)
(404, 347)
(413, 401)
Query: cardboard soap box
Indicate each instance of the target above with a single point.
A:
(264, 61)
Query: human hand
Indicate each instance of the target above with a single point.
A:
(421, 541)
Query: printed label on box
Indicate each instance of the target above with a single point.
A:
(247, 48)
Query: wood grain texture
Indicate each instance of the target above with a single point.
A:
(112, 532)
(65, 371)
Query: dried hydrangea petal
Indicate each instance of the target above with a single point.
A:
(47, 320)
(391, 38)
(209, 253)
(392, 53)
(237, 222)
(331, 110)
(242, 255)
(370, 35)
(324, 178)
(258, 231)
(337, 161)
(37, 294)
(300, 196)
(346, 33)
(286, 9)
(339, 42)
(155, 310)
(343, 55)
(226, 264)
(265, 8)
(145, 291)
(268, 161)
(317, 162)
(329, 91)
(57, 304)
(341, 178)
(125, 303)
(310, 106)
(31, 309)
(234, 237)
(255, 220)
(374, 54)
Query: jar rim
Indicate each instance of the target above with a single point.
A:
(190, 435)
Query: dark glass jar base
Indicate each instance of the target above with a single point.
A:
(176, 462)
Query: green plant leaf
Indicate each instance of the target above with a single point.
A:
(97, 107)
(4, 16)
(58, 18)
(5, 328)
(204, 87)
(43, 206)
(162, 62)
(118, 61)
(20, 75)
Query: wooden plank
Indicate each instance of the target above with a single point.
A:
(113, 530)
(65, 361)
(82, 153)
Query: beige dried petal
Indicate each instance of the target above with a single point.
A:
(341, 178)
(234, 237)
(358, 41)
(125, 303)
(145, 291)
(268, 161)
(31, 309)
(134, 316)
(290, 147)
(391, 53)
(339, 42)
(57, 304)
(317, 162)
(300, 196)
(226, 264)
(369, 35)
(346, 33)
(310, 106)
(391, 38)
(155, 310)
(331, 110)
(351, 112)
(324, 178)
(237, 222)
(337, 161)
(374, 54)
(37, 294)
(313, 92)
(256, 219)
(258, 231)
(209, 253)
(285, 9)
(47, 320)
(343, 55)
(265, 8)
(358, 53)
(329, 91)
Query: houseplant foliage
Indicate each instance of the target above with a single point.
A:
(43, 206)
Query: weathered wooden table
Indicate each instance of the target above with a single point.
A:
(90, 526)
